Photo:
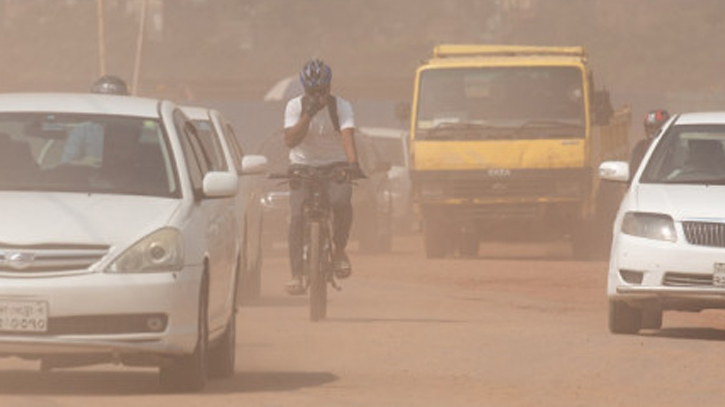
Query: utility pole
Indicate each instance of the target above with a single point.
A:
(101, 39)
(139, 47)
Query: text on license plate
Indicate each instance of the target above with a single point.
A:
(23, 316)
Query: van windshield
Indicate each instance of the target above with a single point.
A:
(505, 102)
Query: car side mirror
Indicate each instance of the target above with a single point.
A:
(220, 184)
(254, 164)
(617, 171)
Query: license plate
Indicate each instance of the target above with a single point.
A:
(718, 276)
(23, 316)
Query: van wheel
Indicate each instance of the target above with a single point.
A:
(624, 319)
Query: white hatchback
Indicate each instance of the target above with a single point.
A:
(668, 251)
(118, 240)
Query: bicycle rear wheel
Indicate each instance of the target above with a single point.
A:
(318, 280)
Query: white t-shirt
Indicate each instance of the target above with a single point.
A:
(322, 145)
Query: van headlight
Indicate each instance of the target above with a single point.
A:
(649, 225)
(160, 251)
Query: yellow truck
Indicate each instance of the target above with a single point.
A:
(505, 143)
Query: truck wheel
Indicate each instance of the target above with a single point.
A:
(468, 243)
(436, 239)
(624, 319)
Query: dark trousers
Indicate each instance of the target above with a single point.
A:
(339, 196)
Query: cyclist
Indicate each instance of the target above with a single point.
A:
(653, 121)
(319, 131)
(85, 142)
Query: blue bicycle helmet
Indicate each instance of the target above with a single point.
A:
(315, 74)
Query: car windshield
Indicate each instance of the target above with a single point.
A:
(688, 154)
(494, 103)
(85, 153)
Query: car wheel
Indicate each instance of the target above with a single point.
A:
(251, 272)
(188, 373)
(624, 319)
(223, 355)
(652, 319)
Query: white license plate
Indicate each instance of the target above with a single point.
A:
(718, 275)
(23, 316)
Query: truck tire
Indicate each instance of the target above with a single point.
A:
(468, 243)
(624, 319)
(436, 239)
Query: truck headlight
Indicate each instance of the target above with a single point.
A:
(162, 250)
(649, 225)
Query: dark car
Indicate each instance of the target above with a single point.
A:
(372, 198)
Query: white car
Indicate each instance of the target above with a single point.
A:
(220, 137)
(118, 240)
(668, 250)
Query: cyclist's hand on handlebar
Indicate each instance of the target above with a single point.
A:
(353, 172)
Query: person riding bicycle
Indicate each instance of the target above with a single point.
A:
(319, 131)
(653, 121)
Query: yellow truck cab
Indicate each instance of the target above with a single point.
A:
(505, 142)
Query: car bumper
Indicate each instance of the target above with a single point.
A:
(679, 275)
(83, 310)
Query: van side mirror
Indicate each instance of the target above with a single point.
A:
(402, 111)
(602, 110)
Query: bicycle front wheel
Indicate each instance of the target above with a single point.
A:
(318, 280)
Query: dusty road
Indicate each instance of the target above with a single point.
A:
(519, 326)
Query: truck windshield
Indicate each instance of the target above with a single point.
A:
(501, 102)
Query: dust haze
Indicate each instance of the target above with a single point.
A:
(646, 52)
(404, 330)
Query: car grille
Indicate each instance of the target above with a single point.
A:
(48, 258)
(687, 280)
(705, 233)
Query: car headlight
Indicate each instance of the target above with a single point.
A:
(162, 250)
(649, 225)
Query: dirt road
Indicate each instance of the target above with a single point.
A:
(519, 326)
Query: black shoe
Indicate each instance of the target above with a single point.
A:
(341, 265)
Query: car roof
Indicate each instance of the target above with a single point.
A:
(87, 103)
(701, 118)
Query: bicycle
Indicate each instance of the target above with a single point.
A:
(317, 249)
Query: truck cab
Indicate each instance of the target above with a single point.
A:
(504, 144)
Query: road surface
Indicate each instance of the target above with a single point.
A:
(522, 325)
